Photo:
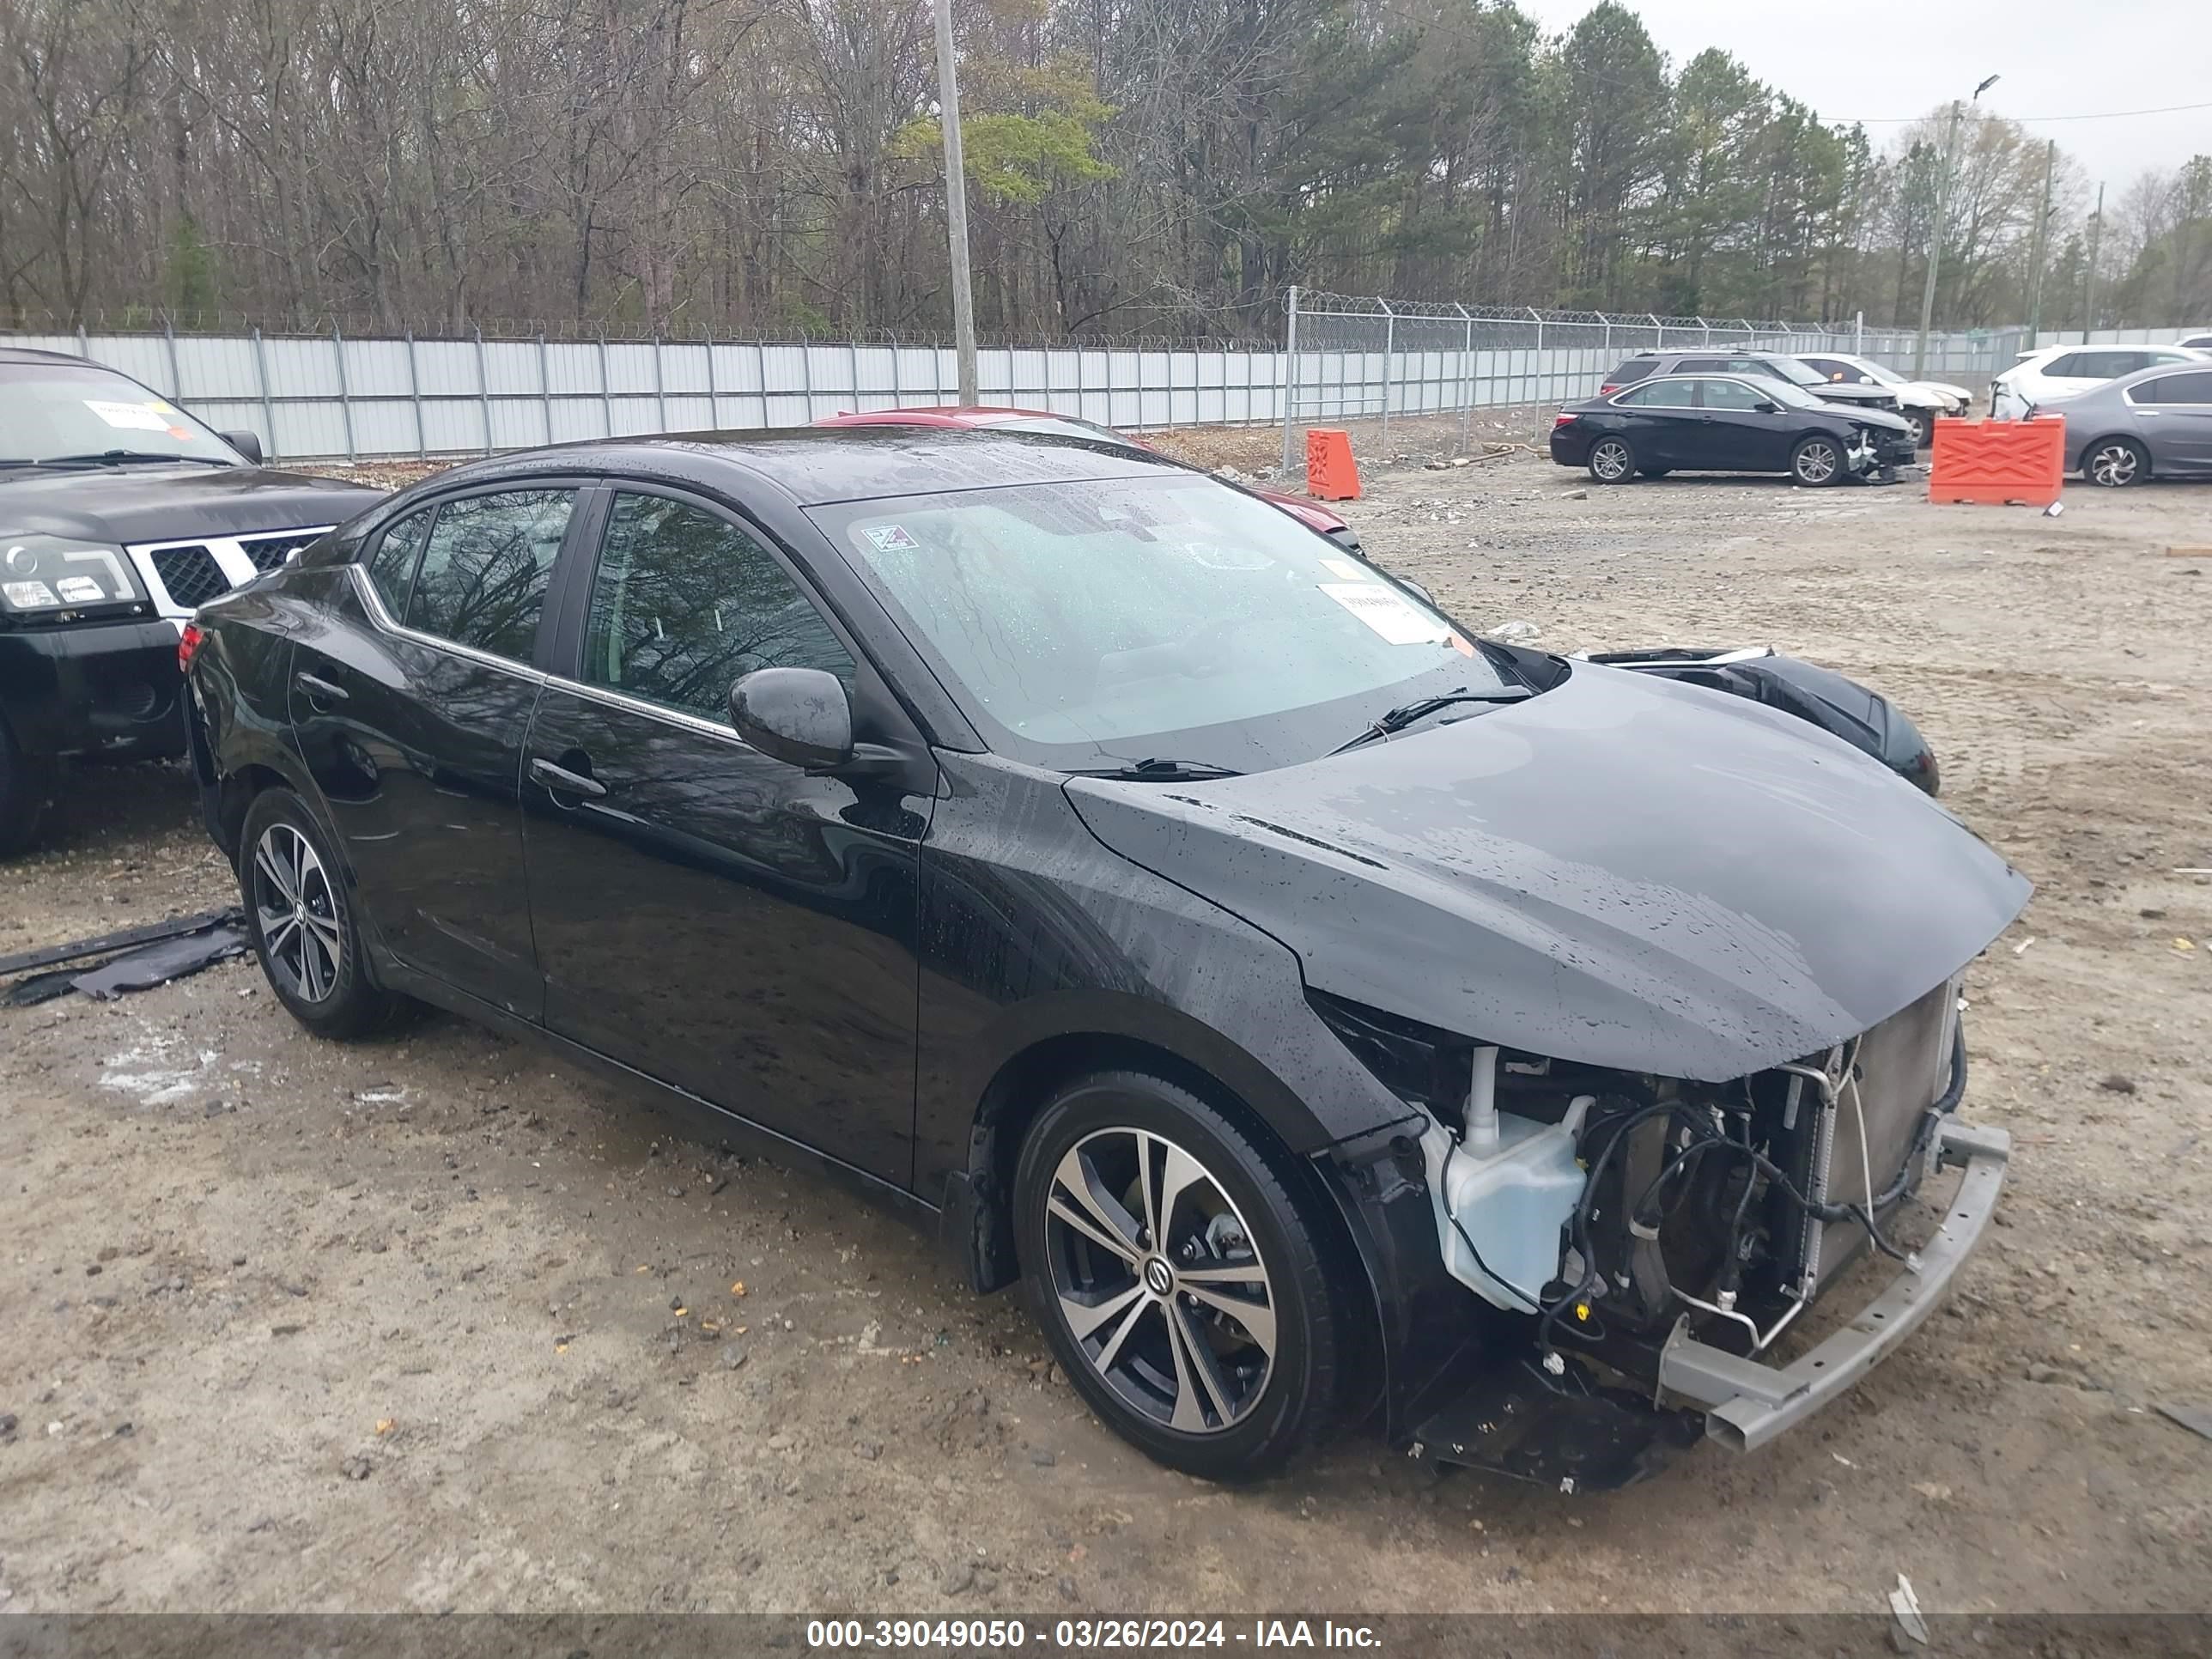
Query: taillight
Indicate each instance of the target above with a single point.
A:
(1563, 417)
(1608, 389)
(188, 644)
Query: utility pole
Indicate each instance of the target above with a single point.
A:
(2042, 248)
(2089, 283)
(1935, 230)
(956, 205)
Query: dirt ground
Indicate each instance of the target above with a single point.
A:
(433, 1322)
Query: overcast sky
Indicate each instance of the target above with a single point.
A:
(2058, 57)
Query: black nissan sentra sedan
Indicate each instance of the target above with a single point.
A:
(1319, 1012)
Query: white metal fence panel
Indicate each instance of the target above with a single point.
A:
(1346, 359)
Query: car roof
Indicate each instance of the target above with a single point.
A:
(948, 414)
(27, 355)
(1706, 351)
(814, 466)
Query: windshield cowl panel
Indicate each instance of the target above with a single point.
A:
(1094, 623)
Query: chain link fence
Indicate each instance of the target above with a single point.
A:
(1369, 364)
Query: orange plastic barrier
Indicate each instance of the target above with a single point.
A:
(1330, 474)
(1998, 462)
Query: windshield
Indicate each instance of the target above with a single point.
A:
(1795, 397)
(51, 410)
(1789, 368)
(1093, 623)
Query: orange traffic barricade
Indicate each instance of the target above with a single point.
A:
(1330, 474)
(1998, 462)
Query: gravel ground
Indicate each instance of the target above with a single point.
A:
(432, 1322)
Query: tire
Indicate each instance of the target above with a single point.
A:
(301, 917)
(1612, 459)
(27, 789)
(2115, 463)
(1923, 430)
(1218, 1403)
(1818, 461)
(1653, 471)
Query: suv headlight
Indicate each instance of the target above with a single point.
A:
(57, 578)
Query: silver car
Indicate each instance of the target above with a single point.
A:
(2155, 422)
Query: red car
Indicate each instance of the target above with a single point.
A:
(1306, 511)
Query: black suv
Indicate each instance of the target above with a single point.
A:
(119, 515)
(1772, 364)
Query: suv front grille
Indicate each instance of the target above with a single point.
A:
(268, 552)
(190, 574)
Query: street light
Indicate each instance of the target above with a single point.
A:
(1936, 231)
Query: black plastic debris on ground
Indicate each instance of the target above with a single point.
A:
(148, 956)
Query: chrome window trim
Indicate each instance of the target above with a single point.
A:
(372, 602)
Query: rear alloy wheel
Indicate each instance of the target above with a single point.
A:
(1178, 1283)
(301, 920)
(2116, 463)
(1611, 461)
(1816, 460)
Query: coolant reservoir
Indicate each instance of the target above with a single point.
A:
(1511, 1185)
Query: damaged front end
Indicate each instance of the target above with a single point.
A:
(1642, 1243)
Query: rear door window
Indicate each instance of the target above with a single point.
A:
(1661, 394)
(2194, 387)
(2066, 367)
(1634, 370)
(1701, 366)
(392, 567)
(485, 569)
(685, 603)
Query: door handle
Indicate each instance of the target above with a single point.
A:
(316, 687)
(560, 780)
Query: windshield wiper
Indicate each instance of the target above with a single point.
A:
(1162, 771)
(1397, 720)
(119, 457)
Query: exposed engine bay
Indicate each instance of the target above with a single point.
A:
(1608, 1208)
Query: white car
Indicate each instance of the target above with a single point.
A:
(2196, 341)
(2050, 373)
(1919, 401)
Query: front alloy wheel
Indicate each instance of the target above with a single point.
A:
(1199, 1307)
(1159, 1281)
(1817, 461)
(2115, 465)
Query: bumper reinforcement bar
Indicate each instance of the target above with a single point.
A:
(1747, 1403)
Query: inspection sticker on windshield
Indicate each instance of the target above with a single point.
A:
(129, 418)
(1385, 613)
(889, 539)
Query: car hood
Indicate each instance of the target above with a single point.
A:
(170, 503)
(1842, 392)
(1623, 872)
(1945, 389)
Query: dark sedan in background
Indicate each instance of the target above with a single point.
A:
(2153, 423)
(1317, 1009)
(119, 513)
(1728, 423)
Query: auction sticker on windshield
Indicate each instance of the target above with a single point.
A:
(129, 418)
(889, 539)
(1385, 613)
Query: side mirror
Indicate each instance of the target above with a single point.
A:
(800, 716)
(247, 444)
(1766, 408)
